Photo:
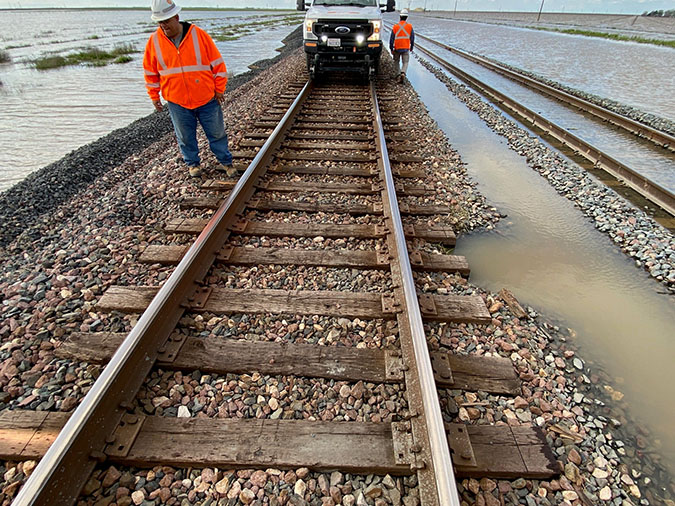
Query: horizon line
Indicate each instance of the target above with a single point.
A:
(193, 8)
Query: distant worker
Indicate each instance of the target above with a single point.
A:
(401, 43)
(183, 62)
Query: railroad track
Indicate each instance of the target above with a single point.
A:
(659, 195)
(330, 150)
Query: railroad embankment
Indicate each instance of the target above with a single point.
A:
(54, 271)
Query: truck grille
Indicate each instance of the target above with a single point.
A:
(338, 28)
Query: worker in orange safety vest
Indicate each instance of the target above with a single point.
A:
(182, 61)
(401, 43)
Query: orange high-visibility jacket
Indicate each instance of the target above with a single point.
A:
(189, 75)
(402, 31)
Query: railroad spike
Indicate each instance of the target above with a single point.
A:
(126, 406)
(98, 456)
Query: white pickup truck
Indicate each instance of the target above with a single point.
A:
(343, 35)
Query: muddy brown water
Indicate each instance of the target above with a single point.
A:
(553, 259)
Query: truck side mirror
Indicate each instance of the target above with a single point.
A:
(391, 5)
(300, 5)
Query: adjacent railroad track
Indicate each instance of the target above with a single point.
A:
(661, 196)
(330, 150)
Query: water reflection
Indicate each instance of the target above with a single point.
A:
(552, 258)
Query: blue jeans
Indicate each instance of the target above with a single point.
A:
(210, 116)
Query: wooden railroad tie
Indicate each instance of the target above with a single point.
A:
(340, 170)
(434, 234)
(358, 146)
(336, 170)
(292, 187)
(326, 157)
(214, 202)
(332, 136)
(421, 261)
(356, 447)
(365, 305)
(223, 356)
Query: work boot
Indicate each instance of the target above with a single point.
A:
(401, 77)
(228, 169)
(195, 171)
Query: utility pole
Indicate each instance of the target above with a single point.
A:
(455, 14)
(540, 8)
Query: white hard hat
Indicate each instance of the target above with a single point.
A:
(163, 10)
(404, 12)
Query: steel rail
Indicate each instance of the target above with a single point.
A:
(68, 463)
(446, 487)
(659, 195)
(658, 137)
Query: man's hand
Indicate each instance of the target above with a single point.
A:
(220, 97)
(158, 105)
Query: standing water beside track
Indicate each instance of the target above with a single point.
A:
(48, 113)
(552, 258)
(632, 74)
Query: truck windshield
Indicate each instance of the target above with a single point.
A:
(354, 3)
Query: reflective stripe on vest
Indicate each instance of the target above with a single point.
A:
(189, 75)
(198, 51)
(402, 33)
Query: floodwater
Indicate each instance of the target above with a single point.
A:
(46, 114)
(552, 258)
(639, 75)
(650, 27)
(641, 155)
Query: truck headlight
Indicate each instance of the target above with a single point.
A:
(376, 23)
(360, 38)
(309, 27)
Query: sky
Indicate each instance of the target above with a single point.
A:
(592, 6)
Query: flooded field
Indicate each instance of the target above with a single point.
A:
(638, 75)
(46, 114)
(650, 160)
(627, 24)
